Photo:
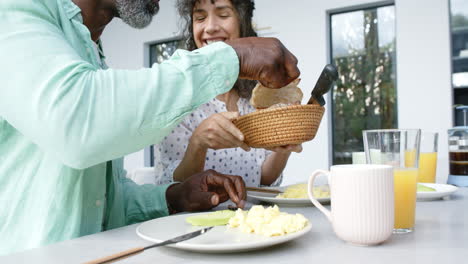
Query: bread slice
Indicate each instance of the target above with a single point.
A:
(263, 97)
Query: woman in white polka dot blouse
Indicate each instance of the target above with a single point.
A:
(207, 139)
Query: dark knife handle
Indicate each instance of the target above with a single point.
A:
(325, 81)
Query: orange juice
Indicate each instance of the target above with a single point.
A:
(405, 197)
(427, 166)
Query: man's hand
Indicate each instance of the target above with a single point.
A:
(206, 190)
(265, 60)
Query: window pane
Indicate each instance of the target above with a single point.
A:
(459, 30)
(364, 97)
(162, 51)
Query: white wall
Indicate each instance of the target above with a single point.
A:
(424, 71)
(423, 64)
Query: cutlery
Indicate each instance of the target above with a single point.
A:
(324, 83)
(134, 251)
(255, 189)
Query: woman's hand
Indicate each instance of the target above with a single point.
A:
(218, 132)
(287, 149)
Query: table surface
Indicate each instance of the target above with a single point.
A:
(441, 236)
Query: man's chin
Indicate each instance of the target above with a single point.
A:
(139, 23)
(137, 14)
(153, 7)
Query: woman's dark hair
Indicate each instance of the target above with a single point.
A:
(244, 9)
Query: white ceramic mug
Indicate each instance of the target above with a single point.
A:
(362, 202)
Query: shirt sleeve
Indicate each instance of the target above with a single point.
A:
(170, 152)
(83, 115)
(128, 202)
(144, 202)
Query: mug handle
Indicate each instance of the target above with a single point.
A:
(310, 192)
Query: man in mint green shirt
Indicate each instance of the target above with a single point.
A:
(65, 119)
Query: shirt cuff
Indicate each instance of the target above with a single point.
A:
(156, 203)
(223, 65)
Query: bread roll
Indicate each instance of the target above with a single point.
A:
(263, 97)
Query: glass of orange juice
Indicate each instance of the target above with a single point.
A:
(399, 148)
(428, 157)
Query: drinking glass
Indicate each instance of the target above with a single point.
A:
(359, 157)
(428, 157)
(400, 149)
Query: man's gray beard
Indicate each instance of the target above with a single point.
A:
(136, 13)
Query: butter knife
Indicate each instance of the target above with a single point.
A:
(134, 251)
(255, 189)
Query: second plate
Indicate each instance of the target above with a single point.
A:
(271, 198)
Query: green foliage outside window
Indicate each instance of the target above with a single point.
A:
(364, 97)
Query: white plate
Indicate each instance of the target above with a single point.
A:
(442, 190)
(220, 239)
(270, 198)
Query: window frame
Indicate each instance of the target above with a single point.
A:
(329, 52)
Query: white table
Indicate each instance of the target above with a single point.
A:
(441, 236)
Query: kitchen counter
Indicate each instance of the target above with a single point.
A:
(441, 236)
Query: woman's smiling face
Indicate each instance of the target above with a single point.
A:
(214, 22)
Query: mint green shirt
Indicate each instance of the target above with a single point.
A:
(63, 118)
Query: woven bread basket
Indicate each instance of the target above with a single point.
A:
(289, 125)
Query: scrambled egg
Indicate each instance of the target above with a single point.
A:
(267, 222)
(300, 191)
